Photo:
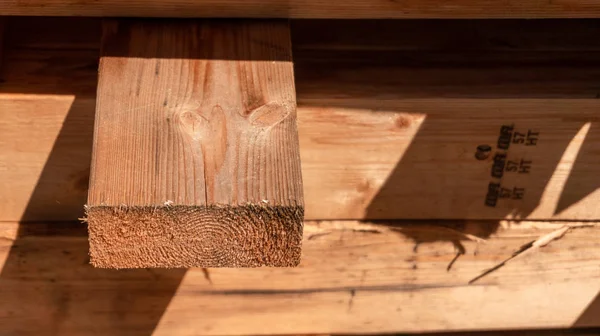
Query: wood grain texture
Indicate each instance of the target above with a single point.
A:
(353, 278)
(445, 35)
(376, 127)
(2, 24)
(415, 158)
(195, 159)
(45, 155)
(307, 8)
(535, 332)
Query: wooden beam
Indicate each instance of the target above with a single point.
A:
(195, 160)
(354, 9)
(347, 269)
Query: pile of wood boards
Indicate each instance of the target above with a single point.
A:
(431, 152)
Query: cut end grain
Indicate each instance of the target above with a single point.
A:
(182, 236)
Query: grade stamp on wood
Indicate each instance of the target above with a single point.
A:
(195, 160)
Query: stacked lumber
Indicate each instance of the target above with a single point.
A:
(392, 125)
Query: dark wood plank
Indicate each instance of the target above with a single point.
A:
(307, 8)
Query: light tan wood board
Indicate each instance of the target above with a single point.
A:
(354, 278)
(195, 158)
(535, 332)
(307, 8)
(383, 133)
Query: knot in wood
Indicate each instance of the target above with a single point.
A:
(199, 125)
(269, 114)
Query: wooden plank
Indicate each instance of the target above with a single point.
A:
(47, 100)
(73, 33)
(195, 160)
(45, 165)
(413, 128)
(554, 35)
(353, 278)
(417, 159)
(307, 8)
(2, 28)
(537, 332)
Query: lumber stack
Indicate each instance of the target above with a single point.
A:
(402, 128)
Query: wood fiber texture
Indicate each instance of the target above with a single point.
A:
(47, 98)
(350, 9)
(2, 24)
(354, 278)
(195, 159)
(186, 236)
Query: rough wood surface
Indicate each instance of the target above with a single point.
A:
(353, 278)
(195, 157)
(307, 8)
(376, 126)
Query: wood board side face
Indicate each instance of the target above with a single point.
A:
(195, 146)
(347, 269)
(2, 24)
(441, 159)
(352, 9)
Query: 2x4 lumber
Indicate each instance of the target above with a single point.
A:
(351, 9)
(195, 160)
(347, 269)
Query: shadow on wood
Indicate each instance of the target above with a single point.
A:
(64, 179)
(557, 332)
(49, 280)
(452, 93)
(527, 104)
(46, 282)
(38, 277)
(53, 277)
(591, 316)
(218, 34)
(579, 184)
